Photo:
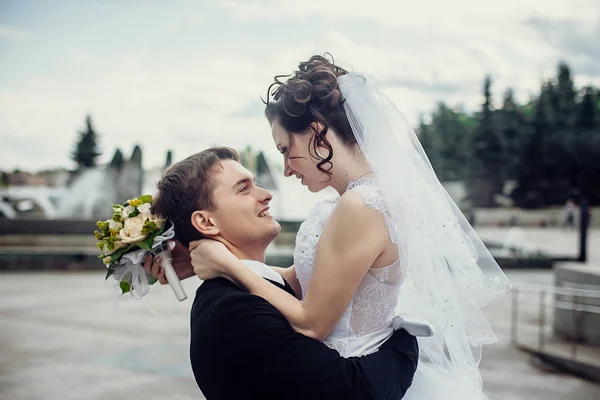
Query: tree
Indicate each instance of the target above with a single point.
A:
(533, 175)
(487, 162)
(550, 145)
(118, 160)
(86, 149)
(453, 137)
(514, 131)
(562, 140)
(3, 179)
(169, 159)
(587, 146)
(429, 143)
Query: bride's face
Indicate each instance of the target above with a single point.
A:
(297, 158)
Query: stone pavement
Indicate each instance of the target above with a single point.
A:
(58, 340)
(511, 374)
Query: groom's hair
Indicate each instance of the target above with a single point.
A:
(188, 186)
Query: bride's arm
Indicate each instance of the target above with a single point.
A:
(353, 238)
(289, 274)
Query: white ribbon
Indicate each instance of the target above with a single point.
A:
(166, 235)
(414, 325)
(130, 269)
(131, 263)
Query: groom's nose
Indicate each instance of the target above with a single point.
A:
(264, 195)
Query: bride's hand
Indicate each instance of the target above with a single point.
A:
(211, 259)
(181, 263)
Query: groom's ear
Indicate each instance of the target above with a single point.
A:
(204, 223)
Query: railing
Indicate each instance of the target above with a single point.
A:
(574, 297)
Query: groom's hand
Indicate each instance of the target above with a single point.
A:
(182, 263)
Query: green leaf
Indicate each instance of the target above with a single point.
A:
(125, 287)
(147, 198)
(109, 272)
(116, 255)
(145, 244)
(162, 229)
(151, 280)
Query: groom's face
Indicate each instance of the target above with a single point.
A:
(242, 208)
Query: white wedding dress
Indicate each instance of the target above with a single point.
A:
(370, 319)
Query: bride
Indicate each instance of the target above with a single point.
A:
(393, 247)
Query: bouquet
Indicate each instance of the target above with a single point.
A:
(126, 238)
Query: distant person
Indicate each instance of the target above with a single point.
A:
(570, 209)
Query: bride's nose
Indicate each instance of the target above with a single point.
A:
(287, 170)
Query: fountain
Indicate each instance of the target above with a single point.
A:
(88, 189)
(55, 225)
(93, 190)
(517, 244)
(517, 251)
(6, 210)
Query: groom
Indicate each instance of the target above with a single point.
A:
(241, 347)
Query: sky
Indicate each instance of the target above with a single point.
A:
(185, 75)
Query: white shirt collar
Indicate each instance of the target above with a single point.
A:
(264, 271)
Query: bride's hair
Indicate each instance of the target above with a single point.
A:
(311, 94)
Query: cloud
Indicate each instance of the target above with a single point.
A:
(159, 106)
(252, 109)
(187, 78)
(459, 15)
(9, 32)
(574, 39)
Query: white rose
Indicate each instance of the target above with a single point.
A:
(132, 232)
(115, 226)
(107, 261)
(144, 209)
(128, 210)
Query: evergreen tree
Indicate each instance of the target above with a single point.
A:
(487, 163)
(118, 160)
(428, 142)
(3, 179)
(169, 159)
(453, 137)
(550, 145)
(514, 131)
(533, 183)
(86, 149)
(562, 140)
(587, 148)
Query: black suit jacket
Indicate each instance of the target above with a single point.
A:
(242, 347)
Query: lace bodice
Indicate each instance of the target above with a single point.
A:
(367, 321)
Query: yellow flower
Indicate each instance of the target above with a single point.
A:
(115, 226)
